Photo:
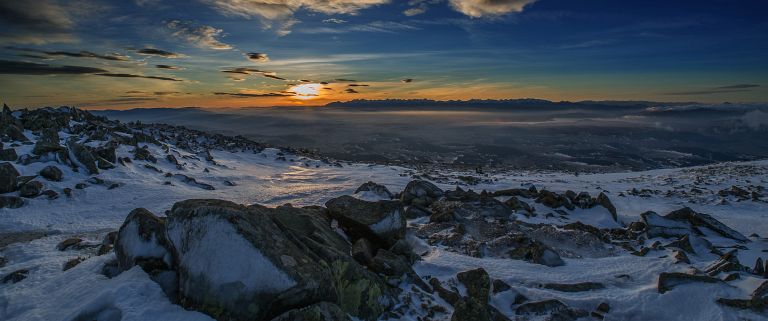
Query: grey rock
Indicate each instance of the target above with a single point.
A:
(52, 173)
(8, 177)
(382, 222)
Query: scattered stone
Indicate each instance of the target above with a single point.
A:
(68, 243)
(50, 194)
(83, 156)
(72, 263)
(669, 280)
(16, 276)
(500, 286)
(52, 173)
(382, 222)
(420, 193)
(81, 185)
(556, 309)
(477, 282)
(67, 191)
(680, 256)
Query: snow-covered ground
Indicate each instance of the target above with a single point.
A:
(48, 293)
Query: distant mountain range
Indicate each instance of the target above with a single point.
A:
(501, 103)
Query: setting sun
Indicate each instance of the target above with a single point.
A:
(305, 91)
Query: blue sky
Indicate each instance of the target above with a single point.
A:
(312, 52)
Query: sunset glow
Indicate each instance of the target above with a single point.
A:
(305, 91)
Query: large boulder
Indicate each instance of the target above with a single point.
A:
(11, 201)
(604, 201)
(422, 193)
(686, 221)
(141, 241)
(382, 222)
(31, 189)
(257, 263)
(8, 177)
(699, 220)
(48, 142)
(8, 155)
(373, 191)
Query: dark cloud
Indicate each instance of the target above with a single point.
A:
(158, 52)
(257, 57)
(739, 86)
(137, 76)
(243, 71)
(34, 56)
(406, 80)
(167, 67)
(716, 90)
(246, 95)
(156, 93)
(357, 85)
(81, 54)
(29, 68)
(351, 91)
(273, 76)
(344, 80)
(35, 22)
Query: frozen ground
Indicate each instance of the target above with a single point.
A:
(83, 293)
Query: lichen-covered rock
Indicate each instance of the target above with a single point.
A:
(420, 193)
(382, 222)
(141, 241)
(52, 173)
(256, 263)
(8, 177)
(468, 308)
(477, 282)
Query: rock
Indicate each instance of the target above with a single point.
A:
(67, 191)
(376, 190)
(603, 307)
(524, 248)
(11, 201)
(468, 308)
(728, 262)
(759, 269)
(500, 286)
(141, 241)
(83, 156)
(8, 176)
(519, 192)
(449, 296)
(574, 287)
(70, 242)
(554, 200)
(758, 300)
(669, 280)
(687, 215)
(682, 243)
(556, 309)
(382, 222)
(322, 311)
(81, 185)
(143, 153)
(604, 201)
(31, 189)
(8, 155)
(477, 282)
(48, 142)
(172, 159)
(52, 173)
(189, 180)
(72, 263)
(390, 264)
(680, 256)
(16, 276)
(420, 193)
(256, 263)
(362, 251)
(516, 204)
(413, 212)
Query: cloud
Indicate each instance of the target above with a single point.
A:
(351, 91)
(279, 14)
(137, 76)
(257, 57)
(716, 90)
(249, 95)
(406, 80)
(169, 67)
(739, 86)
(344, 80)
(35, 22)
(488, 8)
(375, 26)
(29, 68)
(334, 20)
(273, 76)
(199, 35)
(357, 85)
(156, 93)
(81, 54)
(251, 71)
(158, 52)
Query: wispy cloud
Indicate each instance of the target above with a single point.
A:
(122, 75)
(29, 68)
(199, 35)
(257, 57)
(80, 54)
(35, 22)
(716, 90)
(489, 8)
(253, 95)
(158, 52)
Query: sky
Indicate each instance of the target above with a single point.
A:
(239, 53)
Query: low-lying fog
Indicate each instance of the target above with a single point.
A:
(589, 136)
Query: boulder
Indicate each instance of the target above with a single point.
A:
(500, 286)
(8, 177)
(48, 142)
(604, 201)
(322, 311)
(143, 153)
(257, 263)
(698, 220)
(554, 200)
(83, 157)
(556, 309)
(468, 308)
(141, 241)
(11, 201)
(420, 193)
(15, 276)
(362, 251)
(31, 189)
(52, 173)
(371, 190)
(477, 282)
(382, 222)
